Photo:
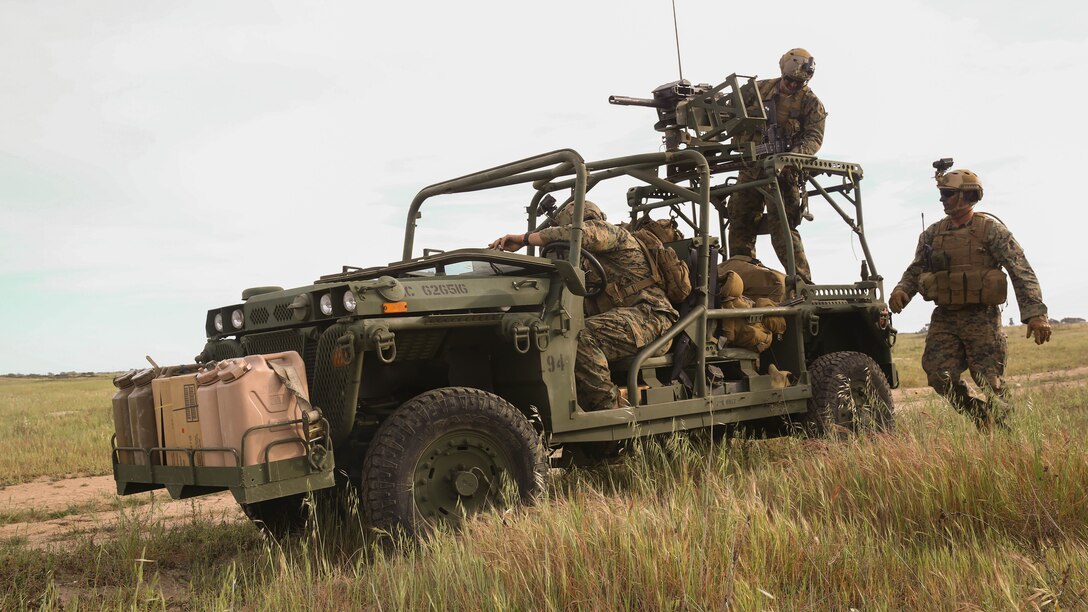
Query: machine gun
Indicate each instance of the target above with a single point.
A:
(702, 115)
(774, 137)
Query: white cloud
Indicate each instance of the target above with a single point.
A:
(153, 155)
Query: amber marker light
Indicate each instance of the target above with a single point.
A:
(394, 307)
(340, 358)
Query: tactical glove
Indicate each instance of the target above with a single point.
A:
(898, 300)
(1040, 327)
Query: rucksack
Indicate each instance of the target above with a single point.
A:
(665, 267)
(759, 280)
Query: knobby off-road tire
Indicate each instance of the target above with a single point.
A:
(849, 395)
(284, 517)
(446, 454)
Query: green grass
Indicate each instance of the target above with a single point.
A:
(934, 516)
(1067, 349)
(54, 427)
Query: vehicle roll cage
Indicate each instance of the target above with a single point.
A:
(565, 169)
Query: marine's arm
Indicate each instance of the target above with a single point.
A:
(597, 236)
(1010, 255)
(812, 131)
(909, 281)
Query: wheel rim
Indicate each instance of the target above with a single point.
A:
(861, 403)
(459, 474)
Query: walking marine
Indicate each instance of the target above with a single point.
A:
(957, 265)
(795, 124)
(628, 314)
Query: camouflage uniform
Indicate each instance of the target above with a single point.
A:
(969, 337)
(802, 117)
(623, 330)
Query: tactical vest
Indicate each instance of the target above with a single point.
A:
(783, 111)
(960, 270)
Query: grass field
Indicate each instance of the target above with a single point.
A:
(54, 427)
(935, 516)
(1067, 349)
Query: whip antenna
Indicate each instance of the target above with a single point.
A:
(676, 31)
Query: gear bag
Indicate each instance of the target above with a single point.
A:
(666, 269)
(674, 277)
(742, 333)
(759, 280)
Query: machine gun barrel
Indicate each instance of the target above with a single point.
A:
(628, 101)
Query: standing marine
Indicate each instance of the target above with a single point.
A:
(795, 124)
(632, 310)
(957, 265)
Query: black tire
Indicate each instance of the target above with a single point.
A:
(281, 517)
(445, 454)
(288, 516)
(849, 395)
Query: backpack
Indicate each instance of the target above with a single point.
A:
(759, 280)
(666, 268)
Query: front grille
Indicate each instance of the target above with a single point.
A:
(282, 312)
(281, 341)
(259, 316)
(217, 350)
(335, 389)
(413, 344)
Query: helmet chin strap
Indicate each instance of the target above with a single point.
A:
(962, 212)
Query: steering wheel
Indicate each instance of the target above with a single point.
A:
(594, 289)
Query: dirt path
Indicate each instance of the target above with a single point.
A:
(47, 513)
(906, 398)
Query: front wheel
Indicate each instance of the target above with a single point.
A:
(284, 517)
(849, 395)
(446, 454)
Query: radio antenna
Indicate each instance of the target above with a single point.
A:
(676, 31)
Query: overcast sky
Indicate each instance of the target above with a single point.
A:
(156, 158)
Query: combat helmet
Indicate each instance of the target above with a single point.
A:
(960, 180)
(589, 211)
(798, 64)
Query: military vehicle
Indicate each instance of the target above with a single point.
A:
(443, 384)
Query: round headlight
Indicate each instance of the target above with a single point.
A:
(218, 322)
(236, 318)
(326, 304)
(349, 301)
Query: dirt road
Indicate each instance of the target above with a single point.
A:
(88, 506)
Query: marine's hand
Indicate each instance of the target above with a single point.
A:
(898, 300)
(509, 242)
(1040, 328)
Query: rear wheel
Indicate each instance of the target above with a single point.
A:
(446, 454)
(849, 395)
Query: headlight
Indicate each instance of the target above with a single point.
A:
(349, 301)
(326, 304)
(219, 322)
(236, 318)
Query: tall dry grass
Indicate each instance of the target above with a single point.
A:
(934, 516)
(54, 427)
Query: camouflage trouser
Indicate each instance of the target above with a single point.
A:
(615, 334)
(969, 338)
(746, 208)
